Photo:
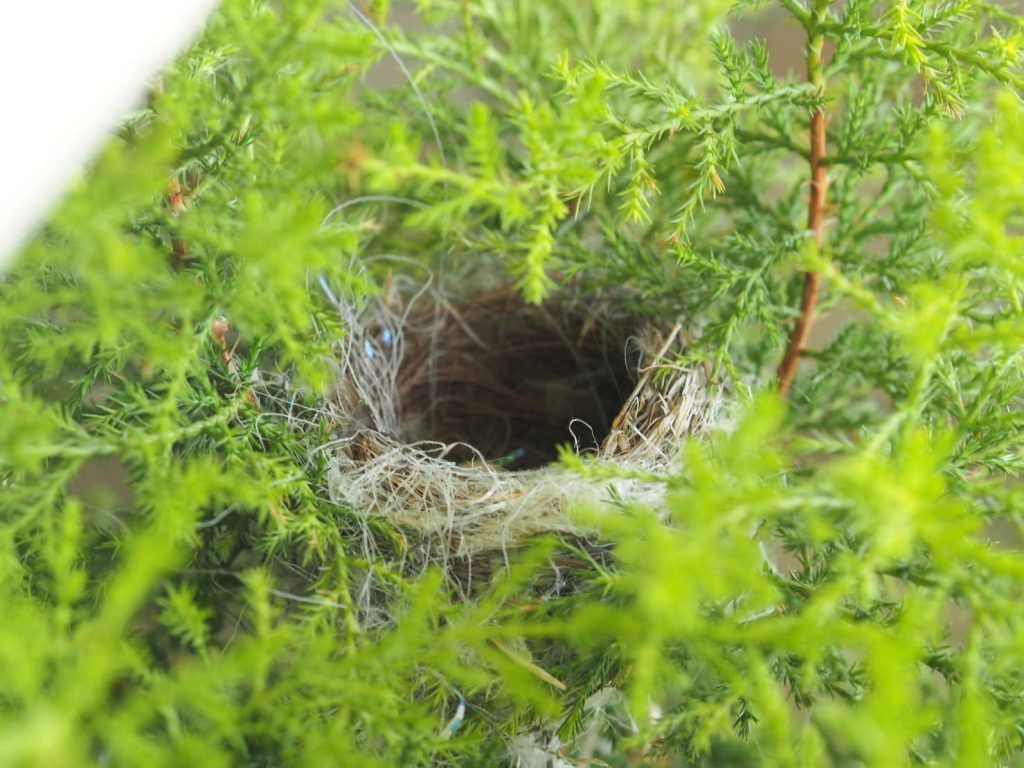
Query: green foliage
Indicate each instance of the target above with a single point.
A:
(832, 582)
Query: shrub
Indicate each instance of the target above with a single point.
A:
(832, 580)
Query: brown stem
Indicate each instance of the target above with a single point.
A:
(176, 201)
(812, 280)
(220, 328)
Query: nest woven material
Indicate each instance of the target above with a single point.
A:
(436, 399)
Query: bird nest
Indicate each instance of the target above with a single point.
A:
(450, 413)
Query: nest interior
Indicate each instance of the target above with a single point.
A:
(510, 382)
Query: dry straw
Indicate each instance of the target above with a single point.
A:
(437, 397)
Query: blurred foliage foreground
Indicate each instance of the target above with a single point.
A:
(826, 582)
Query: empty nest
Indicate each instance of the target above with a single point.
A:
(450, 412)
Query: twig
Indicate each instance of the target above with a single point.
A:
(529, 666)
(645, 379)
(815, 221)
(220, 328)
(176, 201)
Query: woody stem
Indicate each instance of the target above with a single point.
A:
(815, 218)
